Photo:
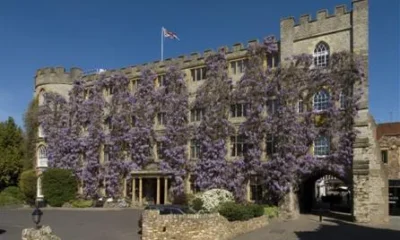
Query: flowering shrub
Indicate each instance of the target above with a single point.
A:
(214, 197)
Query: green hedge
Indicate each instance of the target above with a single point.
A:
(240, 212)
(27, 184)
(59, 186)
(11, 196)
(81, 203)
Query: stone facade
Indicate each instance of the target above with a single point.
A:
(344, 30)
(195, 227)
(388, 135)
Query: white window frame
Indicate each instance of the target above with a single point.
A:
(238, 140)
(194, 149)
(321, 55)
(238, 66)
(319, 100)
(194, 74)
(161, 118)
(322, 146)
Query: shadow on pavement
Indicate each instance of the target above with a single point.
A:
(2, 231)
(339, 230)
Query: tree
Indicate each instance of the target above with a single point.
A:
(31, 125)
(11, 149)
(214, 97)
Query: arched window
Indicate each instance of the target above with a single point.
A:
(321, 100)
(42, 156)
(41, 96)
(321, 55)
(321, 146)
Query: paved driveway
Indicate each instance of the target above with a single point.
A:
(74, 224)
(308, 227)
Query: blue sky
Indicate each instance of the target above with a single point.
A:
(113, 34)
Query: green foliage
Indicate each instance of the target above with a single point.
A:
(59, 186)
(11, 149)
(31, 125)
(27, 184)
(82, 203)
(271, 211)
(239, 212)
(258, 210)
(197, 204)
(11, 196)
(14, 191)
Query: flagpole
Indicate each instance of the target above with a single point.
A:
(162, 44)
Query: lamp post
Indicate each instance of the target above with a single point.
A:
(37, 216)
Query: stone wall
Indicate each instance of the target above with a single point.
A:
(195, 227)
(44, 233)
(392, 145)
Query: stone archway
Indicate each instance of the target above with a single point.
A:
(317, 189)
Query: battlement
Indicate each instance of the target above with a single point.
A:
(191, 60)
(56, 75)
(321, 15)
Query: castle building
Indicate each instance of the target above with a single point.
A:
(342, 30)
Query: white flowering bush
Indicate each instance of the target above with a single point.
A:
(214, 197)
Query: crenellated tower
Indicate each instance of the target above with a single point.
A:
(345, 30)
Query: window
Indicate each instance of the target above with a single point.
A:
(272, 106)
(270, 144)
(134, 84)
(321, 146)
(133, 121)
(256, 189)
(238, 146)
(238, 67)
(160, 118)
(40, 132)
(160, 150)
(108, 123)
(106, 155)
(198, 74)
(321, 55)
(300, 106)
(42, 156)
(194, 149)
(384, 154)
(196, 114)
(109, 90)
(272, 61)
(161, 80)
(239, 110)
(342, 100)
(41, 96)
(321, 100)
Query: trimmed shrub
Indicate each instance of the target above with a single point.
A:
(236, 212)
(271, 211)
(59, 186)
(197, 204)
(82, 203)
(214, 197)
(27, 184)
(258, 210)
(14, 192)
(11, 196)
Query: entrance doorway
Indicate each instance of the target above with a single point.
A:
(324, 191)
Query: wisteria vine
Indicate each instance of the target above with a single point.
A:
(76, 131)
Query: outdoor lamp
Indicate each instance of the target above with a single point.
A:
(37, 216)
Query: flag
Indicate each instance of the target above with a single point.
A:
(169, 34)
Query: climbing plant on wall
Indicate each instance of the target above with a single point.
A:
(175, 104)
(77, 131)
